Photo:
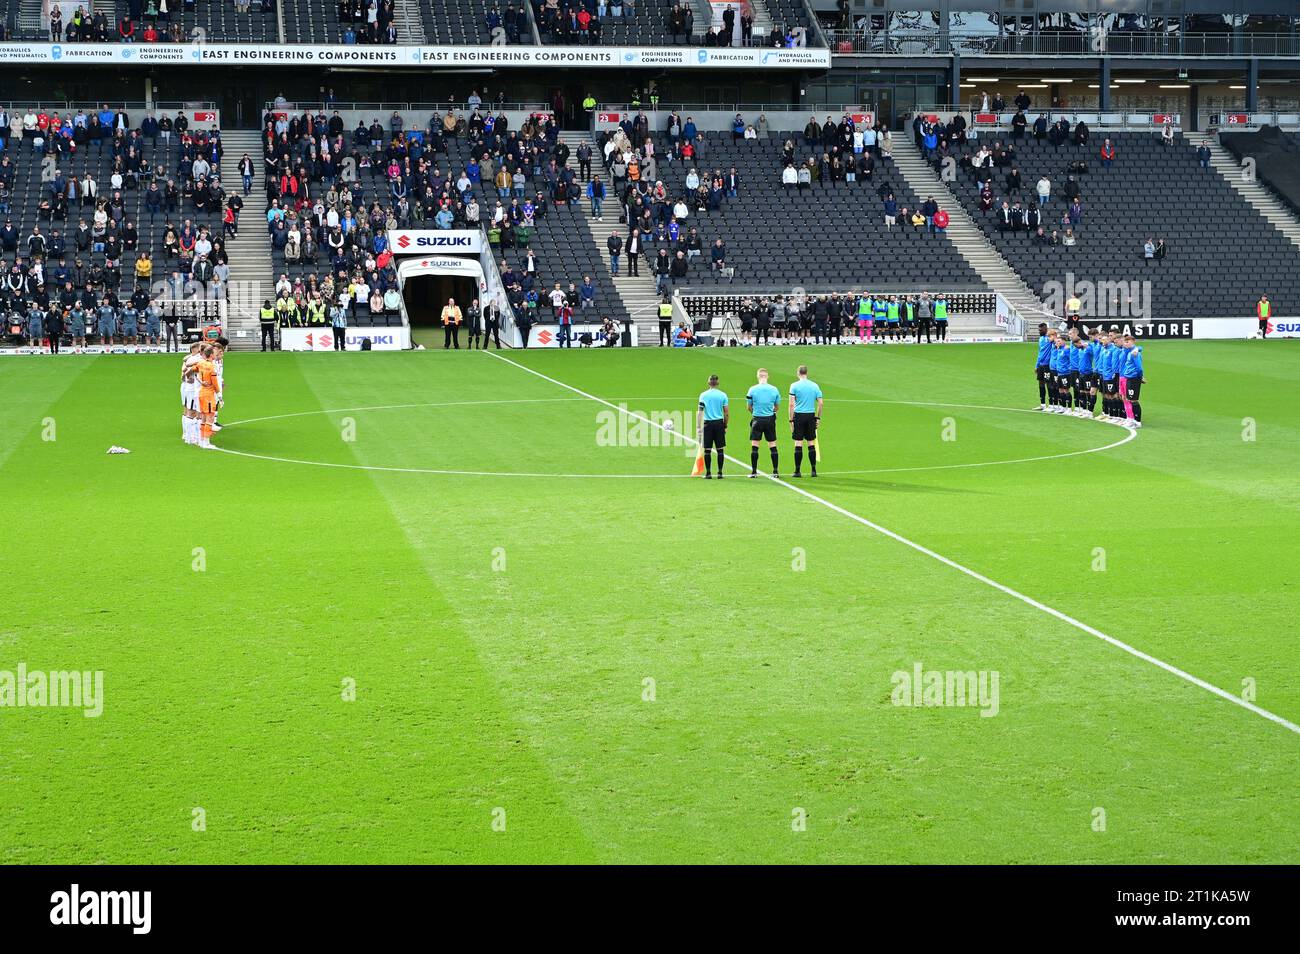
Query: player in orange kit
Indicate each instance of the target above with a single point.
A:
(209, 392)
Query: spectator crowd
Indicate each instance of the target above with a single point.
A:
(125, 222)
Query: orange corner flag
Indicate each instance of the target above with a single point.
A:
(698, 469)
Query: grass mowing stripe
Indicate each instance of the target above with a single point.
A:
(973, 574)
(222, 687)
(536, 797)
(26, 398)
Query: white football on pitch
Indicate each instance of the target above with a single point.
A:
(668, 424)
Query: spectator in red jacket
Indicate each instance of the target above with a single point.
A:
(1107, 153)
(940, 221)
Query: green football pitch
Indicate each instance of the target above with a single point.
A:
(440, 607)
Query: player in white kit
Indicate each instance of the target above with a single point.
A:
(219, 362)
(190, 420)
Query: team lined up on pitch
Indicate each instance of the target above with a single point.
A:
(202, 385)
(1073, 369)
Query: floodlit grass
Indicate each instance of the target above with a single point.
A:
(646, 667)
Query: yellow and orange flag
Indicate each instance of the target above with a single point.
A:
(698, 469)
(817, 446)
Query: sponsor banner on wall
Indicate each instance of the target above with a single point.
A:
(321, 338)
(304, 54)
(1006, 317)
(1282, 328)
(423, 241)
(1246, 327)
(1155, 330)
(548, 336)
(1198, 328)
(1224, 327)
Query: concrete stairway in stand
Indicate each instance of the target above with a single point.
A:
(410, 27)
(252, 269)
(637, 293)
(967, 236)
(1258, 195)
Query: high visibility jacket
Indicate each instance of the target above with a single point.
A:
(266, 315)
(1264, 309)
(941, 310)
(665, 312)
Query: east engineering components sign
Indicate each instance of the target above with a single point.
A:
(252, 54)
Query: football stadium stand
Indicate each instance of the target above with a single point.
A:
(89, 205)
(92, 202)
(560, 244)
(1271, 182)
(1152, 191)
(476, 21)
(315, 21)
(22, 21)
(642, 24)
(217, 21)
(766, 226)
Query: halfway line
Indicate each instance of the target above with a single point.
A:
(973, 574)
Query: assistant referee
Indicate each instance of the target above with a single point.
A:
(805, 416)
(711, 425)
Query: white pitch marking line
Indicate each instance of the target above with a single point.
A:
(451, 473)
(397, 407)
(1128, 436)
(973, 574)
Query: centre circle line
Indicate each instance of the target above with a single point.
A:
(1129, 434)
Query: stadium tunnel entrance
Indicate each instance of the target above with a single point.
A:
(426, 295)
(427, 281)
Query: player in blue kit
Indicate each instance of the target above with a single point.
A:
(1109, 370)
(1081, 377)
(1094, 377)
(1131, 375)
(1042, 363)
(1059, 364)
(762, 400)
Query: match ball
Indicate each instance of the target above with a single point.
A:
(668, 424)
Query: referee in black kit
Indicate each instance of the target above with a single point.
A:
(711, 424)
